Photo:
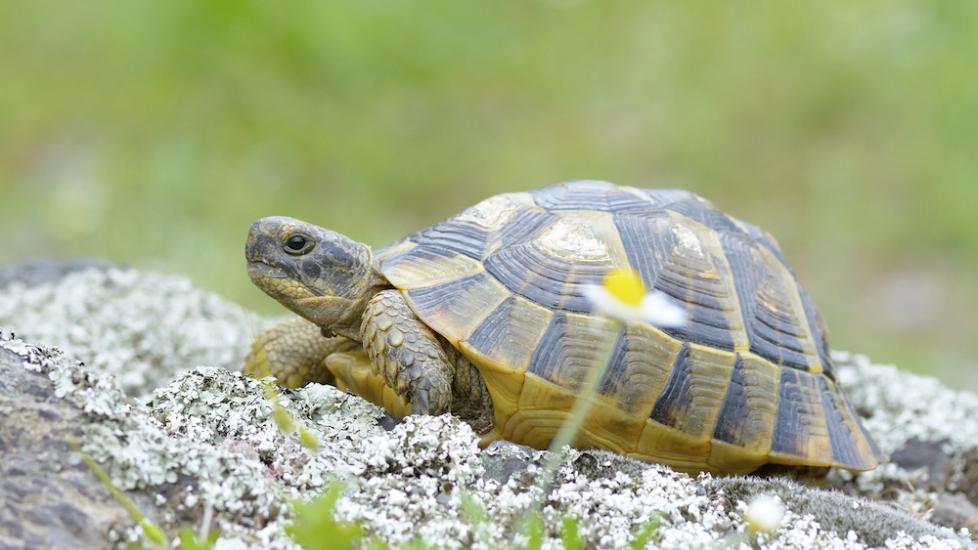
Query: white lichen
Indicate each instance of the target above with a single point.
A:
(141, 327)
(903, 406)
(207, 438)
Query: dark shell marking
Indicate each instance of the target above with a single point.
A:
(750, 372)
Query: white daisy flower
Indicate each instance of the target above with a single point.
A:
(623, 296)
(764, 514)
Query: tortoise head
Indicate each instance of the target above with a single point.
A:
(319, 274)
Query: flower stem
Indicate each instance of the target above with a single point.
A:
(569, 429)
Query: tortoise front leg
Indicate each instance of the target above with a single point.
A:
(294, 352)
(407, 353)
(357, 375)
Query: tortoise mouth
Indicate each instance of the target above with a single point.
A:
(280, 284)
(259, 270)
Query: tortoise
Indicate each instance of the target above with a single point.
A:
(485, 315)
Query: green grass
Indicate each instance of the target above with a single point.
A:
(154, 133)
(153, 535)
(314, 526)
(646, 533)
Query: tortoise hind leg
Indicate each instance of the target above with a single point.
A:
(294, 352)
(407, 353)
(470, 397)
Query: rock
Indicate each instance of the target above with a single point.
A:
(873, 523)
(46, 270)
(207, 439)
(501, 459)
(202, 442)
(929, 431)
(956, 511)
(929, 456)
(964, 476)
(51, 499)
(140, 327)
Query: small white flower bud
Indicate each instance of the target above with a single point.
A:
(764, 514)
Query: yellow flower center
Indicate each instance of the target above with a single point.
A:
(625, 285)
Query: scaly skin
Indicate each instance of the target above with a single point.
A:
(294, 352)
(407, 353)
(355, 374)
(470, 397)
(333, 283)
(419, 365)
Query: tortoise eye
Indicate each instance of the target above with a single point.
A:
(298, 244)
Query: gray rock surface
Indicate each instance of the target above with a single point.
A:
(199, 440)
(45, 270)
(50, 498)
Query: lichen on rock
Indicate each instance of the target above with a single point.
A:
(141, 327)
(202, 437)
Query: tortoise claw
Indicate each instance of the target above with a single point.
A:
(427, 400)
(419, 402)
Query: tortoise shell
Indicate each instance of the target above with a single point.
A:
(748, 380)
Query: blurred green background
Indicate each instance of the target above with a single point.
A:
(153, 133)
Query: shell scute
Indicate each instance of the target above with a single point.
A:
(569, 348)
(553, 266)
(518, 324)
(691, 399)
(750, 407)
(773, 311)
(639, 369)
(590, 195)
(454, 309)
(801, 433)
(685, 260)
(457, 236)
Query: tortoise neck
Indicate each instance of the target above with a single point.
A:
(348, 325)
